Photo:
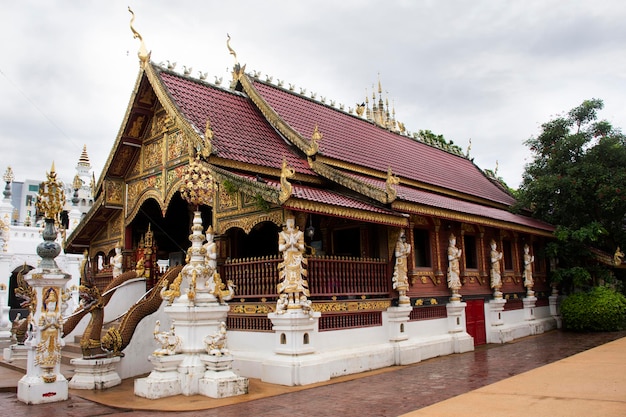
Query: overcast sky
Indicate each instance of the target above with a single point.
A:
(492, 71)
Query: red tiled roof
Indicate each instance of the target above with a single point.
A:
(355, 140)
(413, 195)
(240, 131)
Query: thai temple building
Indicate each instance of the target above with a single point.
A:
(409, 249)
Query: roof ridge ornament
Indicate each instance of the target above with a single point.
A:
(238, 70)
(315, 138)
(390, 186)
(143, 54)
(207, 145)
(285, 186)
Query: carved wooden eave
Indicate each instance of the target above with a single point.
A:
(348, 213)
(424, 210)
(351, 183)
(274, 119)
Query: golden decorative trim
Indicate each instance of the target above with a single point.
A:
(156, 195)
(343, 306)
(414, 208)
(286, 173)
(315, 138)
(354, 184)
(390, 186)
(246, 223)
(252, 308)
(315, 207)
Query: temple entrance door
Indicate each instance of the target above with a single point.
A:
(475, 321)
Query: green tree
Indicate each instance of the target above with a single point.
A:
(577, 182)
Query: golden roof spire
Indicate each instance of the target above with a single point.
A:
(143, 54)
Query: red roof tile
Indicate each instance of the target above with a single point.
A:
(430, 199)
(355, 140)
(240, 131)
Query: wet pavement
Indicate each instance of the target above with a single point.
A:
(396, 391)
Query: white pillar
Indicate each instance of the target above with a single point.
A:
(398, 318)
(44, 382)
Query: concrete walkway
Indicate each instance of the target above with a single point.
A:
(554, 374)
(591, 383)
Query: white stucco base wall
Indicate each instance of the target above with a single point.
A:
(515, 325)
(340, 352)
(343, 352)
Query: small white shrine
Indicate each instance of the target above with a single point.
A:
(193, 357)
(43, 382)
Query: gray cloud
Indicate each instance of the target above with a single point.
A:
(486, 70)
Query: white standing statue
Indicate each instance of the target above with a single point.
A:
(48, 350)
(454, 271)
(496, 277)
(528, 271)
(117, 262)
(291, 271)
(210, 258)
(400, 278)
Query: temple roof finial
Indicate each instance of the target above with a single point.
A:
(143, 54)
(231, 50)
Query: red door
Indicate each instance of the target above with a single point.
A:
(475, 321)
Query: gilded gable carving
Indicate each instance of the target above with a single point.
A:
(247, 200)
(115, 226)
(124, 154)
(152, 154)
(173, 176)
(114, 192)
(136, 169)
(159, 124)
(136, 126)
(135, 189)
(227, 201)
(176, 146)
